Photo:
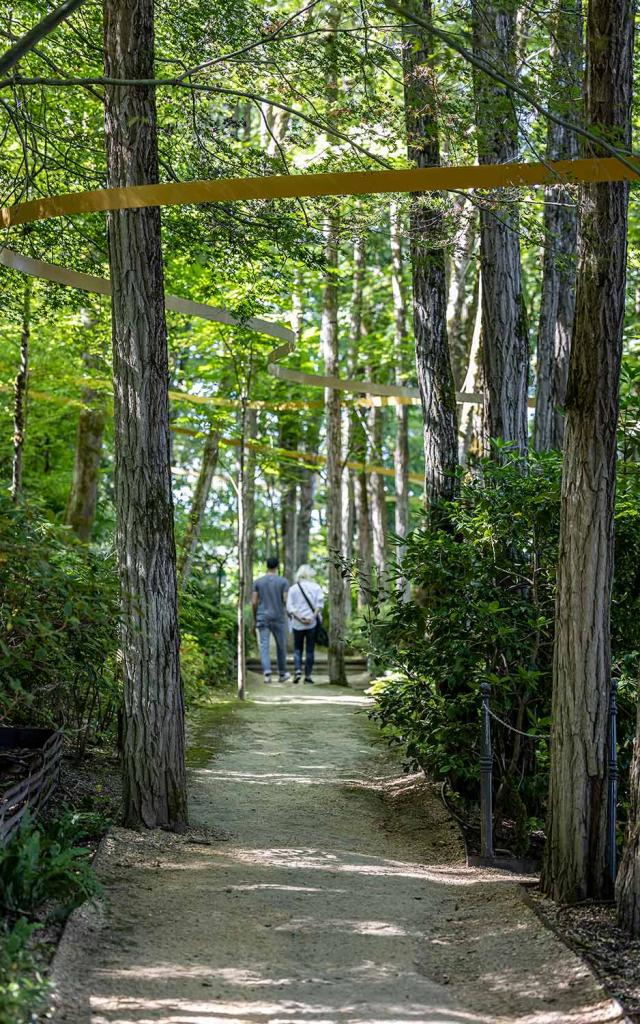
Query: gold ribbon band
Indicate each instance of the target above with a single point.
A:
(292, 186)
(380, 394)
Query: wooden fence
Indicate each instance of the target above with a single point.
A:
(34, 790)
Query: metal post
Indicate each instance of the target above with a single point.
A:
(612, 800)
(486, 769)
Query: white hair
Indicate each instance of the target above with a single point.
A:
(305, 572)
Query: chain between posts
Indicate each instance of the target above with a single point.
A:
(486, 774)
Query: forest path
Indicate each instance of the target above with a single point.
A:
(331, 890)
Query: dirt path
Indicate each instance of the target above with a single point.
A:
(332, 891)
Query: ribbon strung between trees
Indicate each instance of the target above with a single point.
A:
(347, 183)
(425, 179)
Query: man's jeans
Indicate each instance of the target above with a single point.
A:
(299, 637)
(278, 630)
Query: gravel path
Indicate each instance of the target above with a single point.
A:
(328, 888)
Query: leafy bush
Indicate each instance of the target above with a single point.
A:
(58, 628)
(208, 638)
(42, 864)
(482, 610)
(23, 987)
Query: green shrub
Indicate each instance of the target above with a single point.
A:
(482, 610)
(58, 628)
(23, 987)
(208, 637)
(43, 865)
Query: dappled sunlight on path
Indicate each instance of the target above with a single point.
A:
(331, 889)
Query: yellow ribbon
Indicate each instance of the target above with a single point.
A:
(293, 186)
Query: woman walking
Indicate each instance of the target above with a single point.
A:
(304, 604)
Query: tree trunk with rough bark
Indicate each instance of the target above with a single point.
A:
(306, 501)
(83, 497)
(288, 440)
(20, 395)
(473, 440)
(351, 421)
(154, 792)
(401, 462)
(251, 431)
(575, 861)
(330, 349)
(198, 505)
(557, 303)
(378, 498)
(505, 350)
(462, 298)
(628, 880)
(427, 225)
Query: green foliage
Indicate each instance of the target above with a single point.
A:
(23, 987)
(482, 610)
(58, 627)
(42, 864)
(208, 638)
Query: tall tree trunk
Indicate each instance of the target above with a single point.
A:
(505, 350)
(288, 497)
(154, 792)
(628, 881)
(251, 431)
(473, 440)
(351, 421)
(306, 500)
(575, 865)
(198, 505)
(433, 362)
(463, 287)
(243, 568)
(557, 304)
(83, 497)
(20, 395)
(330, 349)
(378, 498)
(363, 522)
(401, 461)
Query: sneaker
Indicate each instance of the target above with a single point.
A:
(308, 679)
(267, 678)
(285, 678)
(297, 677)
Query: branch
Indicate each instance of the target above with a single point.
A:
(31, 38)
(513, 86)
(160, 83)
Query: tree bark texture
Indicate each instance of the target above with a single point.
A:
(201, 493)
(243, 569)
(557, 304)
(306, 501)
(153, 742)
(378, 498)
(20, 395)
(401, 460)
(462, 298)
(427, 226)
(505, 350)
(83, 497)
(575, 864)
(249, 499)
(333, 414)
(473, 439)
(628, 880)
(288, 497)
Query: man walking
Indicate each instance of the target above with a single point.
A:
(269, 600)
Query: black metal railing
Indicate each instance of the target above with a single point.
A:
(486, 774)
